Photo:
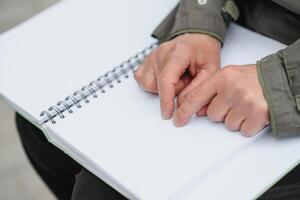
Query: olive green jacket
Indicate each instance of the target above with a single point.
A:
(279, 73)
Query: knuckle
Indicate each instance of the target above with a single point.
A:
(148, 85)
(212, 115)
(227, 72)
(261, 109)
(249, 100)
(262, 112)
(231, 126)
(138, 75)
(238, 88)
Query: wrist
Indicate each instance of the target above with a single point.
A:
(200, 38)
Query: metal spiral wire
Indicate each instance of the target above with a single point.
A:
(102, 83)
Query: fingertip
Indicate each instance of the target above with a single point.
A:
(177, 125)
(248, 132)
(167, 109)
(250, 128)
(166, 116)
(167, 98)
(179, 122)
(202, 112)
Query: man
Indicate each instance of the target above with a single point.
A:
(187, 65)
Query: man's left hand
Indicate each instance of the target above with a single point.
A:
(233, 95)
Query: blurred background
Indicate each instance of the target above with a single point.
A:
(18, 180)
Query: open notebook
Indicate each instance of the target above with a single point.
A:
(48, 73)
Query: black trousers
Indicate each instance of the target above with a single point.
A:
(64, 177)
(69, 180)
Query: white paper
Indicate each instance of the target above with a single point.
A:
(123, 134)
(57, 52)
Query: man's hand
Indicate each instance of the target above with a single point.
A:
(179, 66)
(233, 95)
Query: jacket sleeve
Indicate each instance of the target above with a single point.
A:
(279, 75)
(210, 17)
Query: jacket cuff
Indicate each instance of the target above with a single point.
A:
(273, 78)
(188, 17)
(199, 24)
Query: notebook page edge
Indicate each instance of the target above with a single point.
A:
(181, 192)
(21, 111)
(89, 164)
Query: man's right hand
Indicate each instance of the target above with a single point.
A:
(177, 67)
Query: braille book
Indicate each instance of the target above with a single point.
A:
(69, 71)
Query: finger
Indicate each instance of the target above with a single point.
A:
(168, 79)
(199, 79)
(149, 83)
(183, 83)
(138, 74)
(235, 118)
(251, 126)
(218, 108)
(198, 98)
(145, 75)
(202, 112)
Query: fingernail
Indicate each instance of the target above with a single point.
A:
(177, 122)
(165, 116)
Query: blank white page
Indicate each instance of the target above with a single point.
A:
(121, 138)
(58, 51)
(251, 173)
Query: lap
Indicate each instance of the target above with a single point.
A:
(65, 177)
(89, 187)
(55, 168)
(58, 171)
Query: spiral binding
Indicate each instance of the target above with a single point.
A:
(100, 84)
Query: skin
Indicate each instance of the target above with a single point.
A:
(234, 96)
(189, 67)
(177, 67)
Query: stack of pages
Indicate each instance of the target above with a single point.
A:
(71, 74)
